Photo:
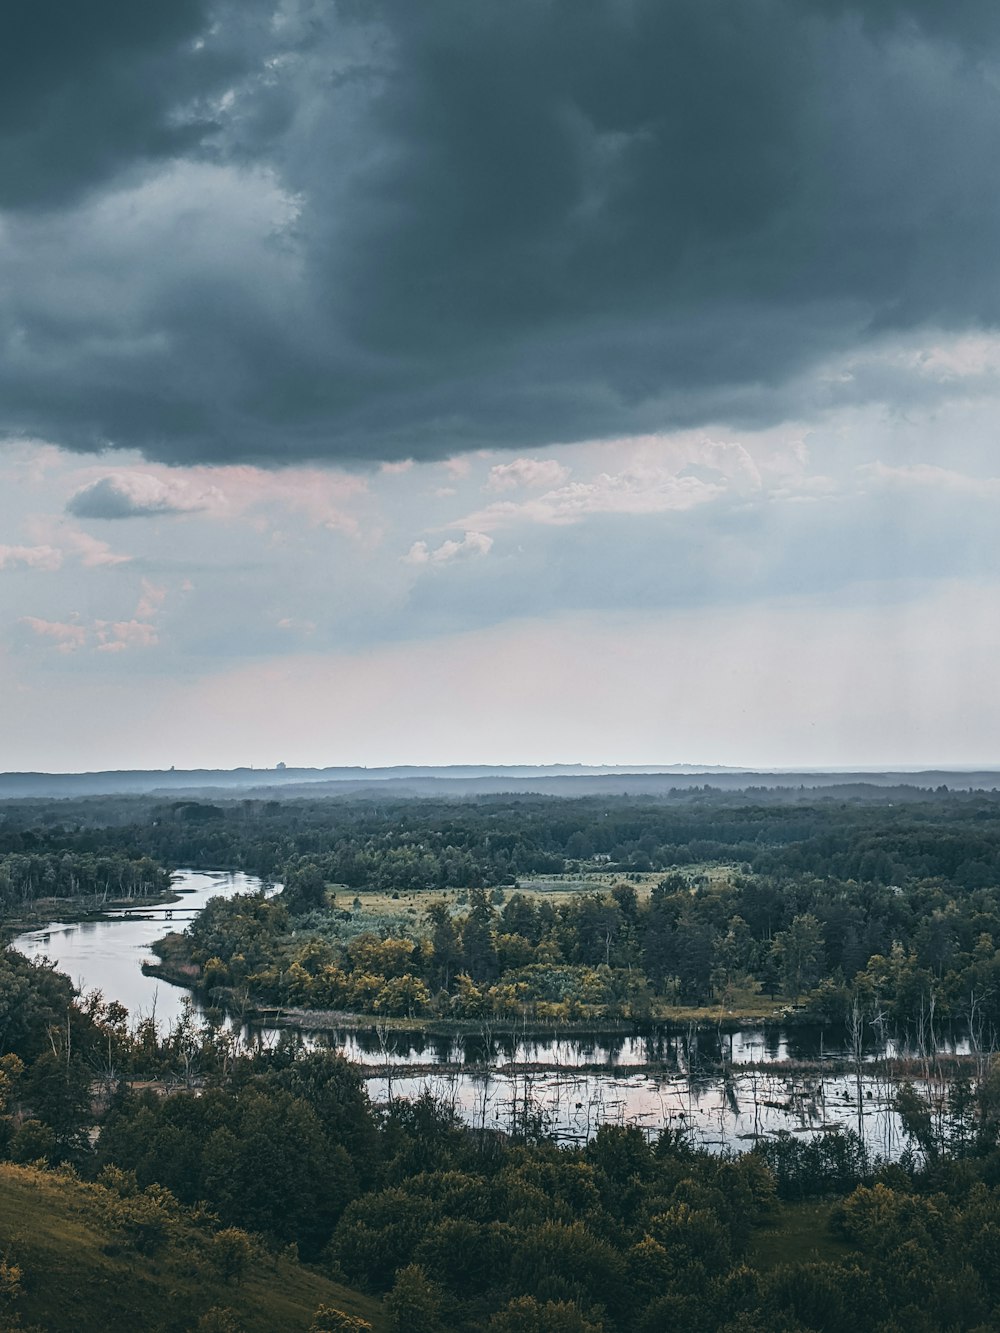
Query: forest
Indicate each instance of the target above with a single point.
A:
(203, 1164)
(261, 1162)
(814, 907)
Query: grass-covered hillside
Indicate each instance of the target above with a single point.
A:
(85, 1258)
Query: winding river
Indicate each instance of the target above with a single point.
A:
(569, 1083)
(107, 955)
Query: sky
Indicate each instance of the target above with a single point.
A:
(514, 382)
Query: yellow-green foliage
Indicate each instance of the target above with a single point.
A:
(328, 1319)
(86, 1258)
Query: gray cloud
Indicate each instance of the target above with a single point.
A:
(394, 229)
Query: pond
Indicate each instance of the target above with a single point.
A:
(725, 1089)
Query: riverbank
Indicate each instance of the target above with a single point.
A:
(70, 911)
(101, 942)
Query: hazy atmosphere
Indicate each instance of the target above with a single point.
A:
(518, 382)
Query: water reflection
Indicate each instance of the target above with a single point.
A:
(720, 1113)
(107, 955)
(684, 1050)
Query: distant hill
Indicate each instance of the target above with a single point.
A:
(138, 781)
(471, 780)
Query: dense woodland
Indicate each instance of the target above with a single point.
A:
(462, 1229)
(887, 836)
(26, 877)
(198, 1148)
(885, 906)
(890, 903)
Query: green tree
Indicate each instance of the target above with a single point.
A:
(415, 1302)
(524, 1314)
(799, 953)
(479, 955)
(447, 956)
(231, 1252)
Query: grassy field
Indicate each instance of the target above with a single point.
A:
(381, 903)
(77, 1279)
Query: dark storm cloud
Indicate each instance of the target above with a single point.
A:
(508, 223)
(87, 89)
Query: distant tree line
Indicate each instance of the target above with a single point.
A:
(892, 837)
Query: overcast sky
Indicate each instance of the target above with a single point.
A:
(508, 381)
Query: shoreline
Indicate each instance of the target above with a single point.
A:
(70, 911)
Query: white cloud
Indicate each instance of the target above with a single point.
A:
(659, 474)
(930, 476)
(635, 491)
(472, 544)
(117, 636)
(528, 472)
(68, 635)
(91, 551)
(946, 360)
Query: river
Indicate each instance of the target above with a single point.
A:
(107, 955)
(571, 1083)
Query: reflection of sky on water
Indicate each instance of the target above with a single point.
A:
(108, 955)
(718, 1114)
(680, 1050)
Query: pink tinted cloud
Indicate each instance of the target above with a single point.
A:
(107, 636)
(67, 635)
(91, 552)
(118, 635)
(45, 558)
(151, 598)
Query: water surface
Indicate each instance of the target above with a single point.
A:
(108, 955)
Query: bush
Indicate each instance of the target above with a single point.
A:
(219, 1319)
(33, 1142)
(328, 1319)
(526, 1315)
(231, 1252)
